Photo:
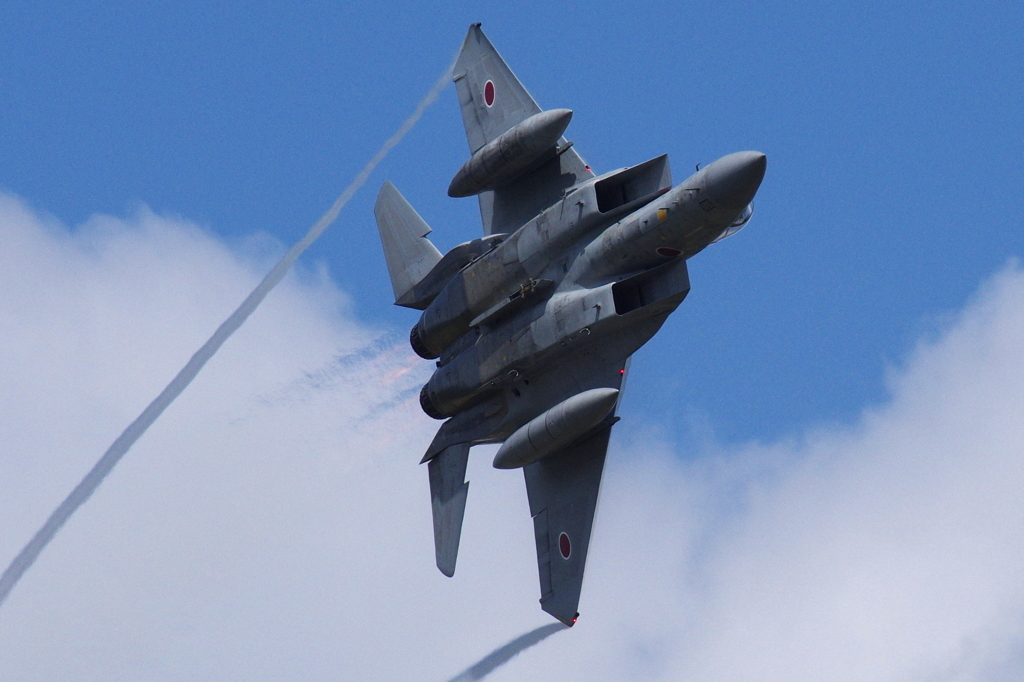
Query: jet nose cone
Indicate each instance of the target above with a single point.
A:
(733, 180)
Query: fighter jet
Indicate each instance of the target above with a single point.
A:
(532, 325)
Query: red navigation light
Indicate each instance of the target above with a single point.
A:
(622, 371)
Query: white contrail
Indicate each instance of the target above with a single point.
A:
(507, 652)
(124, 442)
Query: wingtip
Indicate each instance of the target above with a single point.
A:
(475, 35)
(387, 189)
(474, 28)
(568, 622)
(558, 614)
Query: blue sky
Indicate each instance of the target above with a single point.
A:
(894, 134)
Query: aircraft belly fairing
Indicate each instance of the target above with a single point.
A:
(533, 325)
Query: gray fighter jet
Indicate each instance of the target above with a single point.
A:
(533, 324)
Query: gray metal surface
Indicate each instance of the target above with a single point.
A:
(403, 234)
(556, 429)
(533, 326)
(508, 208)
(448, 490)
(563, 494)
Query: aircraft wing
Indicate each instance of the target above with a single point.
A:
(492, 101)
(563, 488)
(563, 491)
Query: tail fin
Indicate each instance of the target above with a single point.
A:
(448, 489)
(403, 234)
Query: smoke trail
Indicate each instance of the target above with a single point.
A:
(505, 653)
(124, 442)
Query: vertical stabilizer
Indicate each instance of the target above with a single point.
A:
(448, 489)
(403, 234)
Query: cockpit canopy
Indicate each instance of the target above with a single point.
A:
(738, 224)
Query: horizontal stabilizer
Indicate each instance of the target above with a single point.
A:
(403, 234)
(448, 490)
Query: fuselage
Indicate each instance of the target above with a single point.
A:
(579, 273)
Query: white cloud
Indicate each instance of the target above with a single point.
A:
(893, 550)
(274, 523)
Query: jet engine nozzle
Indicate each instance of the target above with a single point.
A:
(733, 180)
(416, 341)
(428, 405)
